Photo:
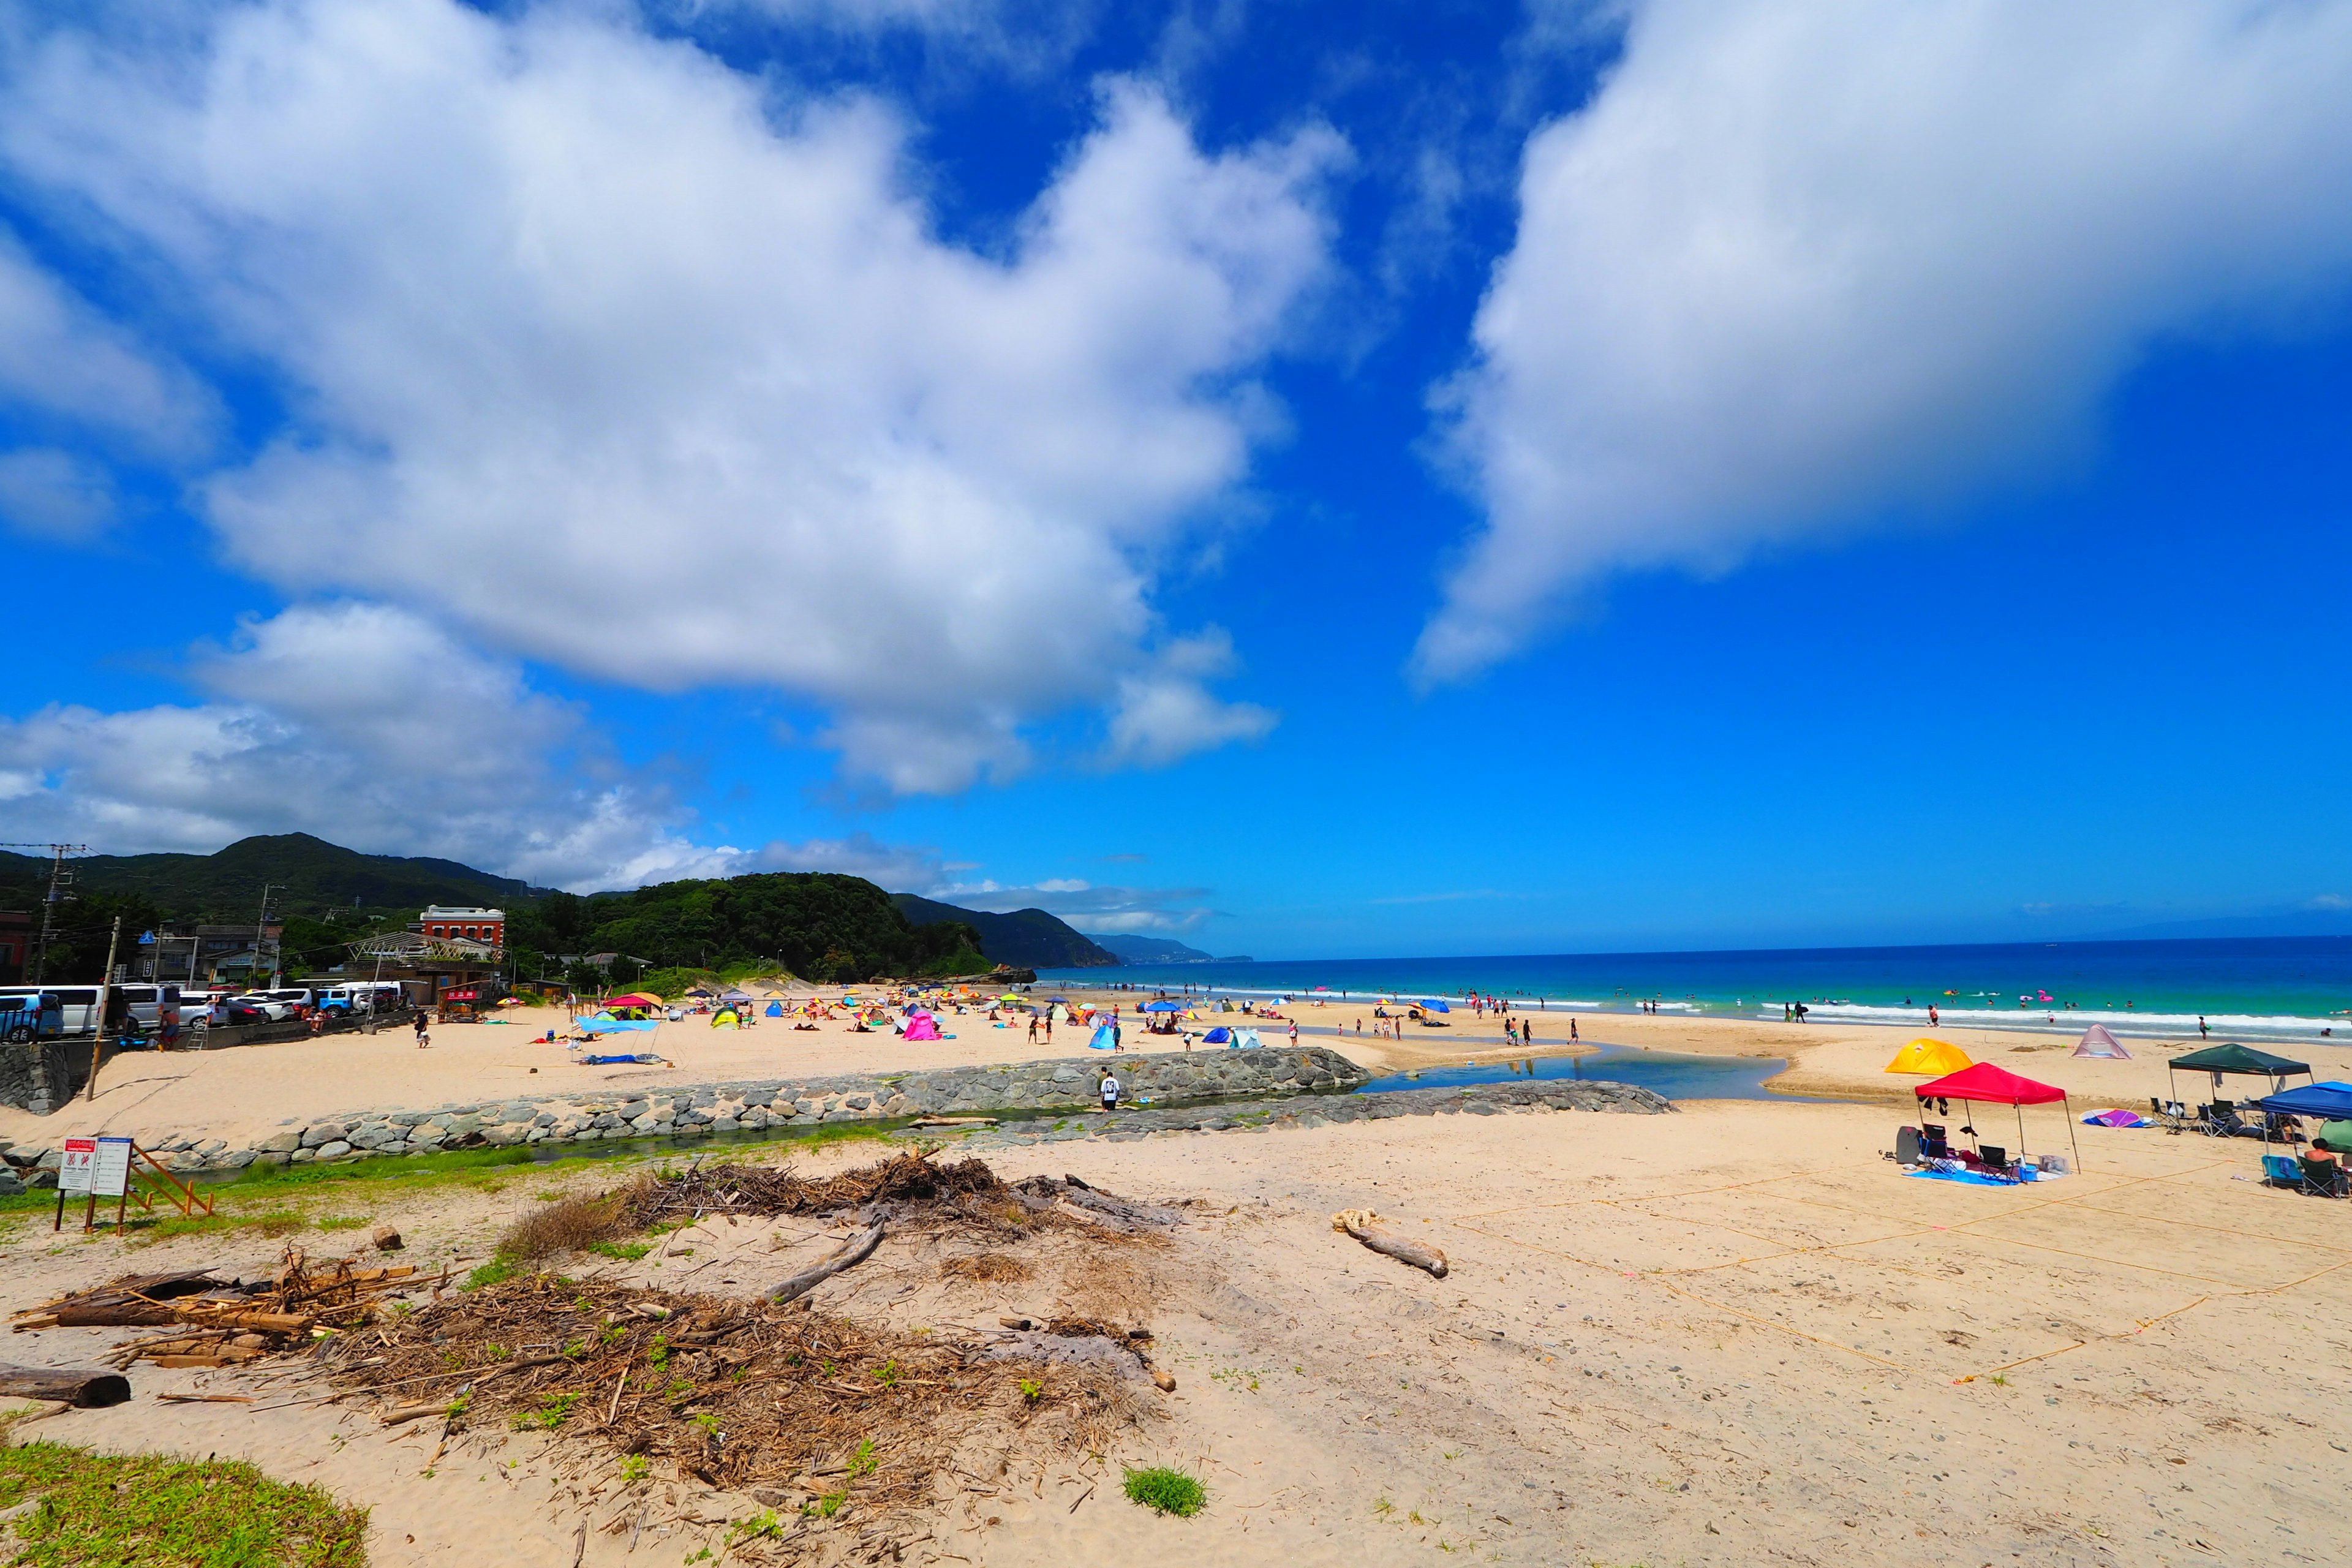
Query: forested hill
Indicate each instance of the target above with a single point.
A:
(307, 876)
(1028, 939)
(818, 925)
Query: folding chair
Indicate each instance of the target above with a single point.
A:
(2323, 1178)
(2218, 1120)
(1996, 1162)
(2282, 1171)
(1932, 1145)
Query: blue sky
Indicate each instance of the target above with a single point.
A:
(1312, 480)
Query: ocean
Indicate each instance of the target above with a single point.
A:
(2251, 988)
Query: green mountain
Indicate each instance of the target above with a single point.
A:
(1026, 939)
(818, 925)
(310, 875)
(1152, 950)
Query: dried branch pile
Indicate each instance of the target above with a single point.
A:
(906, 1183)
(220, 1323)
(733, 1394)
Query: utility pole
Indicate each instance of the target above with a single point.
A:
(59, 877)
(258, 938)
(97, 1030)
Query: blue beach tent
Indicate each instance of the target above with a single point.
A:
(775, 1009)
(2330, 1101)
(1217, 1036)
(1432, 1005)
(1105, 1038)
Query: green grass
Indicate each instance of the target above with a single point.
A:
(1165, 1490)
(496, 1270)
(154, 1511)
(626, 1252)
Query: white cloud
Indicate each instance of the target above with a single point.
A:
(1804, 260)
(1166, 712)
(55, 494)
(614, 361)
(60, 359)
(1089, 906)
(367, 727)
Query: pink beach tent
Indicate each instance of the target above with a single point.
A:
(2097, 1042)
(922, 1026)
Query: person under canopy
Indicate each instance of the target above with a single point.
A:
(1989, 1085)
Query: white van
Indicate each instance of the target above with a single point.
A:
(77, 1004)
(157, 1008)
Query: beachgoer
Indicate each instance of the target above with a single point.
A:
(1572, 1036)
(1931, 1016)
(1110, 1087)
(1294, 1031)
(420, 1028)
(2202, 1032)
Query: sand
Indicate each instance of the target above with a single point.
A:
(247, 1091)
(1733, 1335)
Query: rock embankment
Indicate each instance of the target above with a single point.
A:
(1325, 1110)
(642, 1110)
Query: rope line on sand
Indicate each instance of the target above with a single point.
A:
(2227, 1289)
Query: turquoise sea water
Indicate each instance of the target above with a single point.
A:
(2268, 988)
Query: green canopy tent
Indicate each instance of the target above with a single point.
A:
(2336, 1136)
(2235, 1058)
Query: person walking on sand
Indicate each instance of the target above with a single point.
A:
(1109, 1088)
(1931, 1016)
(1033, 1028)
(423, 1040)
(1294, 1031)
(1572, 1036)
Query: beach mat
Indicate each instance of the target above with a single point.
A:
(1978, 1179)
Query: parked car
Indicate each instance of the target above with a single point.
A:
(268, 1006)
(77, 1004)
(28, 1014)
(300, 998)
(154, 1008)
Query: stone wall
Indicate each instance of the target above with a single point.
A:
(690, 1110)
(39, 1076)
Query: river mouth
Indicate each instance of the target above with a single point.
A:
(1673, 1074)
(1670, 1074)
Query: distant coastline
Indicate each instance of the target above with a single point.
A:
(2268, 988)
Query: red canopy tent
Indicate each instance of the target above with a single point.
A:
(1989, 1085)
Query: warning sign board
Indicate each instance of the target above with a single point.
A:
(109, 1174)
(80, 1159)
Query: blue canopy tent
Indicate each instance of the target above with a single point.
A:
(1163, 1006)
(2330, 1101)
(1432, 1005)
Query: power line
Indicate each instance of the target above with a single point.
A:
(58, 879)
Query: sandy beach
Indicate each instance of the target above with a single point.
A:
(1732, 1335)
(250, 1089)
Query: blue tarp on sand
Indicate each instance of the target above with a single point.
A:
(608, 1061)
(617, 1025)
(1977, 1178)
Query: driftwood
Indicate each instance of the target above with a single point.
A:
(1359, 1223)
(1123, 1213)
(849, 1254)
(89, 1390)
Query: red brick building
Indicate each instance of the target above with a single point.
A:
(445, 923)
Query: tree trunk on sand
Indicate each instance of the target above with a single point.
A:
(1359, 1223)
(849, 1254)
(89, 1390)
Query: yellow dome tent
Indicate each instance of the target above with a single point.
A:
(1929, 1058)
